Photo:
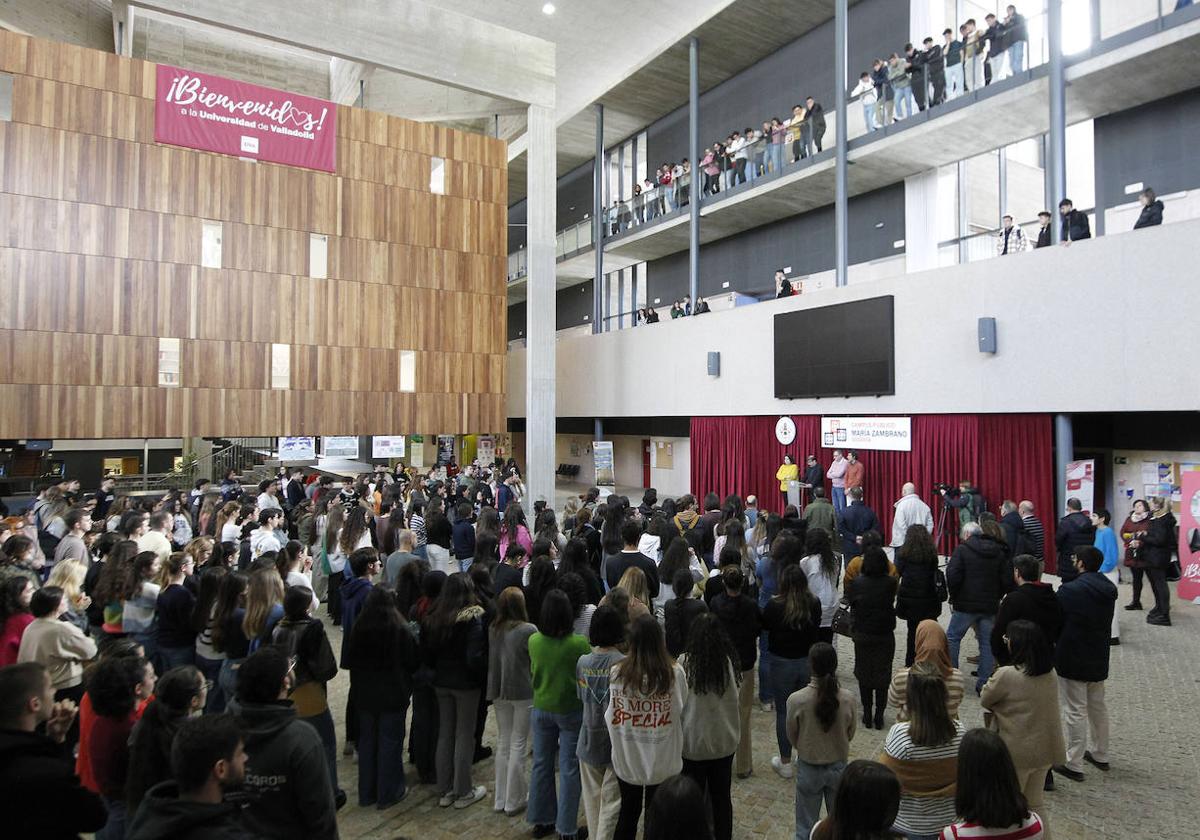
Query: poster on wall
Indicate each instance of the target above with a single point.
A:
(892, 434)
(662, 455)
(1188, 587)
(387, 447)
(485, 449)
(215, 114)
(602, 455)
(297, 449)
(445, 449)
(340, 446)
(416, 451)
(1079, 482)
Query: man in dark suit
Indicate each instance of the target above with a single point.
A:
(1075, 530)
(855, 521)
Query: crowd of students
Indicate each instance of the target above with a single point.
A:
(185, 681)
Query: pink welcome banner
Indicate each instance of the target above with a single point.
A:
(234, 118)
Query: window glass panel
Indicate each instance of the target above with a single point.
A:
(437, 176)
(168, 362)
(6, 96)
(318, 255)
(210, 251)
(281, 366)
(408, 370)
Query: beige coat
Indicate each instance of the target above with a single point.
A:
(1024, 711)
(60, 646)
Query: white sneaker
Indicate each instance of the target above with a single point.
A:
(447, 800)
(785, 771)
(477, 793)
(767, 706)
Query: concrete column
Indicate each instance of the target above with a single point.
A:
(541, 191)
(122, 22)
(1002, 175)
(962, 211)
(921, 207)
(1056, 160)
(694, 154)
(841, 252)
(621, 299)
(598, 221)
(1064, 453)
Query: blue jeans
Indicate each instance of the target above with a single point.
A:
(839, 500)
(554, 733)
(954, 81)
(323, 723)
(814, 782)
(380, 757)
(764, 669)
(118, 819)
(869, 115)
(1016, 58)
(173, 657)
(787, 676)
(775, 157)
(228, 682)
(211, 669)
(752, 174)
(905, 95)
(960, 623)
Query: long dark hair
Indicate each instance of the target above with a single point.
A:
(675, 559)
(988, 793)
(210, 586)
(408, 585)
(136, 574)
(375, 639)
(352, 531)
(865, 805)
(514, 518)
(574, 558)
(799, 604)
(918, 548)
(542, 578)
(230, 596)
(1028, 648)
(10, 597)
(114, 571)
(822, 660)
(817, 542)
(647, 669)
(929, 720)
(710, 655)
(457, 594)
(677, 812)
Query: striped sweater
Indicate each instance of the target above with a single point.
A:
(1029, 829)
(927, 780)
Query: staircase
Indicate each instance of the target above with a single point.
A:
(248, 457)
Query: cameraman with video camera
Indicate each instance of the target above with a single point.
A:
(965, 498)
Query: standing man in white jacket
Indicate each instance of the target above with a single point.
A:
(910, 510)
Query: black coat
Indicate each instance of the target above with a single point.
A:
(42, 792)
(1151, 215)
(874, 602)
(815, 476)
(1014, 534)
(856, 520)
(978, 575)
(742, 620)
(1088, 603)
(917, 597)
(1159, 542)
(1074, 530)
(1075, 227)
(816, 117)
(1034, 602)
(1043, 239)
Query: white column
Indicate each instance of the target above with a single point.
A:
(541, 199)
(920, 221)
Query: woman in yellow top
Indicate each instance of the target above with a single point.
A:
(788, 471)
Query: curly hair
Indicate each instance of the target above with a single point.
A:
(112, 682)
(709, 655)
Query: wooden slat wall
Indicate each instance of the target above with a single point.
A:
(100, 255)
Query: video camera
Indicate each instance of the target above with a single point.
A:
(945, 489)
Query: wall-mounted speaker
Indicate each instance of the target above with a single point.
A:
(987, 335)
(714, 363)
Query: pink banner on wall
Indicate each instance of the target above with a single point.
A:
(1188, 587)
(235, 118)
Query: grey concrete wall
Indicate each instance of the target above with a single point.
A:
(1154, 143)
(1060, 349)
(574, 203)
(804, 243)
(772, 86)
(573, 305)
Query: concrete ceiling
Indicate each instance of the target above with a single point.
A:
(737, 36)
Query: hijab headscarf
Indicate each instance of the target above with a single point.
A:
(933, 647)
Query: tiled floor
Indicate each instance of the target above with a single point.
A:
(1151, 792)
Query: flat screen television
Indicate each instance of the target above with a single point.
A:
(844, 350)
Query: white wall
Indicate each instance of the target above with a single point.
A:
(678, 479)
(1076, 327)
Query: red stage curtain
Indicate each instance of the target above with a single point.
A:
(1007, 456)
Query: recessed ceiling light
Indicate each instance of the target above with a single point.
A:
(548, 9)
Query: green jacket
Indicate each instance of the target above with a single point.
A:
(819, 514)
